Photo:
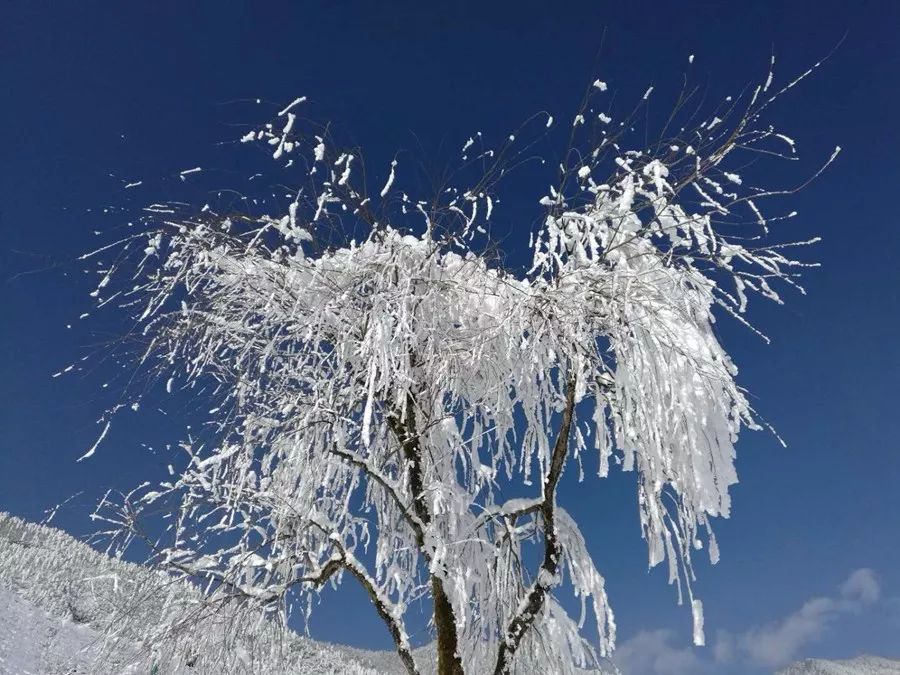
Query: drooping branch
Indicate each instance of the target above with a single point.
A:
(392, 619)
(393, 622)
(401, 641)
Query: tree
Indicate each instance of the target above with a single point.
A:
(395, 405)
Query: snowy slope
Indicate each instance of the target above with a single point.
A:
(861, 665)
(33, 642)
(59, 597)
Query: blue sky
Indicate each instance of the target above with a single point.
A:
(95, 97)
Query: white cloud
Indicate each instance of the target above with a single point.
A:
(724, 648)
(781, 641)
(653, 653)
(862, 585)
(778, 643)
(657, 652)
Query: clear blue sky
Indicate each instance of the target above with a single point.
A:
(94, 95)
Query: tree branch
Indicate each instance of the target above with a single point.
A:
(382, 604)
(411, 518)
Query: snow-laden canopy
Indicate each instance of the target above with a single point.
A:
(399, 407)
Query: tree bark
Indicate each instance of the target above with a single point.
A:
(448, 660)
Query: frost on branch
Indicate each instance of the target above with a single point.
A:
(395, 406)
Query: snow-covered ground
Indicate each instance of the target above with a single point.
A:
(33, 642)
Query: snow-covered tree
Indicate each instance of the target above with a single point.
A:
(394, 406)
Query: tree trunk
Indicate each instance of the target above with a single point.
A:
(448, 660)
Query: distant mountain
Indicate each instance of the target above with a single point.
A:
(861, 665)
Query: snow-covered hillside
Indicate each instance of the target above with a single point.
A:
(861, 665)
(32, 642)
(60, 599)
